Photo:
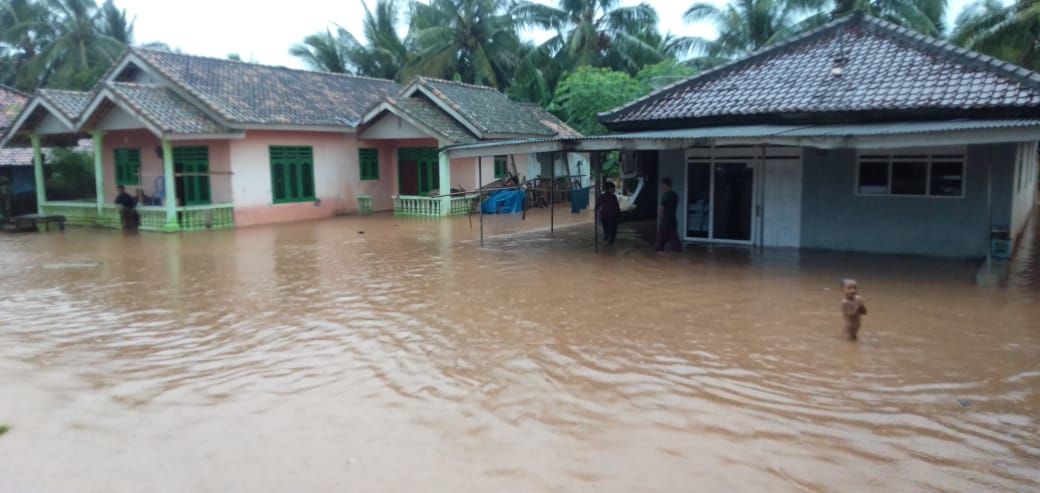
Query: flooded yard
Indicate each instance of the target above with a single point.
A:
(315, 357)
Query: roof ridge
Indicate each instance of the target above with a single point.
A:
(851, 18)
(139, 50)
(455, 82)
(63, 91)
(16, 91)
(964, 55)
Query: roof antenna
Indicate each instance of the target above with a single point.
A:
(841, 58)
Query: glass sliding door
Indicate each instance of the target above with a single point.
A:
(720, 200)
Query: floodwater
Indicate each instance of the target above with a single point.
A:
(311, 357)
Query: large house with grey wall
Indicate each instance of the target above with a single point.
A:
(212, 143)
(859, 136)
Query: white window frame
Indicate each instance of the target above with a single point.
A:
(926, 155)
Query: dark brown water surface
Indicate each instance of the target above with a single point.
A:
(309, 357)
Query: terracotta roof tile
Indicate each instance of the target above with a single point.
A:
(70, 103)
(427, 113)
(248, 93)
(164, 108)
(11, 102)
(486, 108)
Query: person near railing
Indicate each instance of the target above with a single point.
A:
(127, 209)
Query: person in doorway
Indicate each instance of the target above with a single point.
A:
(127, 208)
(609, 211)
(852, 308)
(667, 224)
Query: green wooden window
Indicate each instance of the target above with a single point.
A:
(292, 174)
(191, 174)
(500, 166)
(128, 166)
(368, 160)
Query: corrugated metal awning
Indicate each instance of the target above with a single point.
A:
(862, 136)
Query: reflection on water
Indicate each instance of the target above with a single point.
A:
(376, 354)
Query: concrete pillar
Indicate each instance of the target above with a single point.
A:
(445, 184)
(41, 189)
(169, 188)
(99, 169)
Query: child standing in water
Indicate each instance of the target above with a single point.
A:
(852, 307)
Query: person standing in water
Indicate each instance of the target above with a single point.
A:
(127, 208)
(852, 308)
(667, 224)
(609, 212)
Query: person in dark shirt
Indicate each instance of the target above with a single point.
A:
(667, 224)
(127, 211)
(609, 212)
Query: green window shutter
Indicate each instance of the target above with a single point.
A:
(500, 166)
(128, 166)
(192, 165)
(292, 174)
(368, 161)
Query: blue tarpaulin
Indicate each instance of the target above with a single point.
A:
(579, 199)
(504, 202)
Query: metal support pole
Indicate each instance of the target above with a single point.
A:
(989, 207)
(480, 196)
(762, 200)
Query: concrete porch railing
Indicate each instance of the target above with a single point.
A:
(194, 218)
(414, 205)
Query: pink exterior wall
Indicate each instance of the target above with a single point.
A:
(152, 165)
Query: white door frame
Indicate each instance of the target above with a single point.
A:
(755, 164)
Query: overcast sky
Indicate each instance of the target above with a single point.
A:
(264, 30)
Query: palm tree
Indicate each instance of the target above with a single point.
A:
(115, 24)
(474, 41)
(81, 47)
(924, 16)
(745, 26)
(600, 33)
(1010, 32)
(323, 51)
(25, 30)
(382, 55)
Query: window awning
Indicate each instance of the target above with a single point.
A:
(859, 136)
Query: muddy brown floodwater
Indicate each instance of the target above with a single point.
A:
(309, 357)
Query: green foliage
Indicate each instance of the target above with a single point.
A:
(664, 73)
(1011, 32)
(4, 429)
(582, 95)
(382, 55)
(69, 175)
(63, 44)
(924, 16)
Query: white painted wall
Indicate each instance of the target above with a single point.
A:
(50, 125)
(1023, 197)
(118, 119)
(782, 204)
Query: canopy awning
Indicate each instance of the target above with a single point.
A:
(858, 136)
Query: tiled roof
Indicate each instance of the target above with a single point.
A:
(249, 93)
(550, 121)
(487, 109)
(23, 156)
(885, 69)
(11, 102)
(424, 111)
(70, 103)
(164, 108)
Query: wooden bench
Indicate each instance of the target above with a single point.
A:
(29, 222)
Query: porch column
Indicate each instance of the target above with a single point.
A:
(41, 189)
(169, 188)
(99, 169)
(445, 184)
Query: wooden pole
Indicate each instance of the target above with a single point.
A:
(480, 196)
(596, 164)
(552, 195)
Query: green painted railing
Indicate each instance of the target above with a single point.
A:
(364, 203)
(413, 205)
(193, 218)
